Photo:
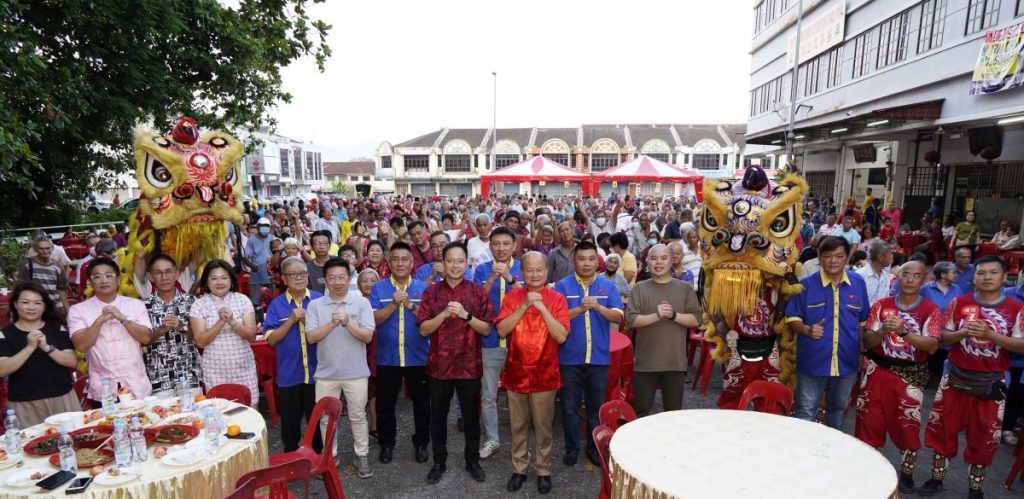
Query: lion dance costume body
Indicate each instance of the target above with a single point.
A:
(748, 234)
(190, 185)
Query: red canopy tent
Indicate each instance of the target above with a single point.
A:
(538, 169)
(648, 169)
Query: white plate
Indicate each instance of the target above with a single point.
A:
(185, 457)
(30, 433)
(177, 418)
(57, 419)
(218, 404)
(199, 443)
(22, 478)
(9, 461)
(106, 478)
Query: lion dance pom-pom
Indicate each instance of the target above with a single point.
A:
(749, 231)
(190, 183)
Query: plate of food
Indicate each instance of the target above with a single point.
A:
(184, 456)
(218, 404)
(27, 477)
(30, 433)
(145, 418)
(187, 418)
(58, 419)
(132, 405)
(87, 458)
(42, 446)
(116, 476)
(172, 434)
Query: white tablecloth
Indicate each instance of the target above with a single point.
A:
(730, 454)
(213, 477)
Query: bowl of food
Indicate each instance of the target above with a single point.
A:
(41, 446)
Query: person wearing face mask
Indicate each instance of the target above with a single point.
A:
(611, 272)
(257, 257)
(601, 223)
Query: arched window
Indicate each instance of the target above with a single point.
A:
(657, 149)
(707, 155)
(604, 154)
(556, 150)
(458, 157)
(384, 151)
(506, 153)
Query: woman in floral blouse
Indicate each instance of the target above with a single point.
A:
(172, 352)
(223, 323)
(376, 260)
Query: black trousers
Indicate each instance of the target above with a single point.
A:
(468, 391)
(389, 385)
(1014, 399)
(293, 404)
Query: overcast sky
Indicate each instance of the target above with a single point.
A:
(401, 69)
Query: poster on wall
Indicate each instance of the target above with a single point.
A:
(1000, 66)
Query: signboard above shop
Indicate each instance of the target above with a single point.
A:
(818, 34)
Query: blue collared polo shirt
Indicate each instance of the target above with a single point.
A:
(841, 310)
(296, 358)
(589, 332)
(496, 295)
(399, 343)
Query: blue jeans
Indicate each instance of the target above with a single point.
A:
(808, 397)
(582, 383)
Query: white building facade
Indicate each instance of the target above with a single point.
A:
(281, 166)
(884, 101)
(450, 160)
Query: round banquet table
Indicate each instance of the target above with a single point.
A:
(712, 453)
(212, 477)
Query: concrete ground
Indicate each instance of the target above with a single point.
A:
(404, 478)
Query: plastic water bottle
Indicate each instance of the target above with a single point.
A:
(109, 406)
(122, 445)
(66, 448)
(138, 441)
(13, 435)
(211, 428)
(185, 399)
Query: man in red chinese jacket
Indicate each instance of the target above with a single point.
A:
(901, 332)
(535, 319)
(983, 328)
(455, 313)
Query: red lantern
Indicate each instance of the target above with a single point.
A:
(991, 153)
(932, 156)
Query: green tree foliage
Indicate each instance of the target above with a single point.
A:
(78, 76)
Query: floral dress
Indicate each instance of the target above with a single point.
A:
(228, 358)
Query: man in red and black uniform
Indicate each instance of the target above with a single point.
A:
(756, 356)
(535, 319)
(457, 313)
(901, 332)
(983, 328)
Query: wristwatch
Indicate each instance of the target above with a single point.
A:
(904, 332)
(52, 348)
(469, 317)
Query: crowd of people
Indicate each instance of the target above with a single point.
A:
(454, 297)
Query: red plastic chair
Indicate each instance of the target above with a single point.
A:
(1016, 261)
(1018, 463)
(986, 249)
(619, 393)
(704, 366)
(232, 392)
(695, 339)
(602, 438)
(245, 490)
(768, 397)
(620, 378)
(276, 478)
(243, 283)
(616, 413)
(323, 463)
(266, 373)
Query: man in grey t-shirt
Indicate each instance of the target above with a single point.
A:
(341, 324)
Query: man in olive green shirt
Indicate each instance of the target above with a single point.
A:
(661, 310)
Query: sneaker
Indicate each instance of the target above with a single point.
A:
(1009, 438)
(930, 488)
(489, 449)
(363, 467)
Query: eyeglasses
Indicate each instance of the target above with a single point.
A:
(164, 273)
(912, 276)
(297, 275)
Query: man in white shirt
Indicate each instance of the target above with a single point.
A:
(876, 274)
(478, 249)
(1012, 240)
(831, 228)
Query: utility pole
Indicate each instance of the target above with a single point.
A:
(791, 132)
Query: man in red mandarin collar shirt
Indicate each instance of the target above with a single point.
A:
(535, 319)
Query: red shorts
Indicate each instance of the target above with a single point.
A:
(887, 404)
(739, 373)
(953, 411)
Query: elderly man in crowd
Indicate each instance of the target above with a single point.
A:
(42, 269)
(330, 224)
(535, 320)
(479, 246)
(111, 329)
(661, 309)
(560, 258)
(341, 325)
(285, 330)
(876, 274)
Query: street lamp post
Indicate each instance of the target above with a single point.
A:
(791, 132)
(494, 125)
